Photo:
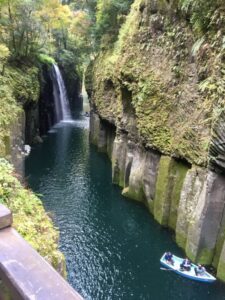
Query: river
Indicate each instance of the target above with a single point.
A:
(112, 245)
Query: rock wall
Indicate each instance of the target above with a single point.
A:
(161, 85)
(186, 198)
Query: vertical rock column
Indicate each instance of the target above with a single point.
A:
(111, 133)
(119, 159)
(102, 138)
(191, 190)
(221, 265)
(135, 166)
(94, 128)
(142, 168)
(178, 175)
(150, 176)
(206, 221)
(169, 184)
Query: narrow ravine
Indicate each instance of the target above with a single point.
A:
(112, 245)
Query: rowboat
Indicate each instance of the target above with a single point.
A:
(206, 277)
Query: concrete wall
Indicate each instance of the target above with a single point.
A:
(24, 274)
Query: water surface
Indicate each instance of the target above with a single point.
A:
(112, 245)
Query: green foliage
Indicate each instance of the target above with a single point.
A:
(110, 16)
(29, 216)
(16, 85)
(8, 108)
(40, 30)
(201, 13)
(4, 55)
(197, 45)
(46, 59)
(24, 83)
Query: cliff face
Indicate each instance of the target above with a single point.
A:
(19, 89)
(157, 102)
(19, 99)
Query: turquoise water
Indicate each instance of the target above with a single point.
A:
(112, 245)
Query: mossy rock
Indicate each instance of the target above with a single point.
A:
(204, 256)
(180, 171)
(181, 240)
(162, 200)
(221, 271)
(129, 192)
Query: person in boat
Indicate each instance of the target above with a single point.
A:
(199, 270)
(185, 265)
(169, 258)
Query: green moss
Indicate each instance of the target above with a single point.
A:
(169, 184)
(138, 195)
(219, 245)
(46, 59)
(24, 83)
(181, 240)
(150, 206)
(121, 178)
(173, 112)
(179, 176)
(204, 256)
(8, 110)
(221, 270)
(29, 216)
(161, 201)
(18, 87)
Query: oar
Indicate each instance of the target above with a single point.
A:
(165, 269)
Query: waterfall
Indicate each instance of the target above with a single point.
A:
(62, 108)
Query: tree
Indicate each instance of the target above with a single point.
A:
(108, 16)
(4, 55)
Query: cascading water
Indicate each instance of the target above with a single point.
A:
(62, 108)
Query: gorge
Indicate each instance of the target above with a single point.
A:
(158, 114)
(155, 80)
(111, 245)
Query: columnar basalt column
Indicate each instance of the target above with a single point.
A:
(119, 159)
(135, 164)
(94, 128)
(150, 174)
(102, 138)
(163, 190)
(191, 190)
(205, 224)
(169, 184)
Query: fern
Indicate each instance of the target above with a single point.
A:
(197, 45)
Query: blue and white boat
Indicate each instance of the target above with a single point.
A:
(206, 277)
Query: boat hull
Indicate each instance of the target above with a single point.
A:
(187, 274)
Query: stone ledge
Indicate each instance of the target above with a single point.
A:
(27, 274)
(5, 217)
